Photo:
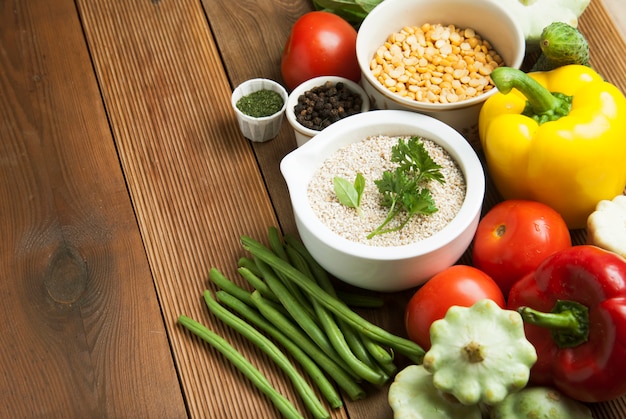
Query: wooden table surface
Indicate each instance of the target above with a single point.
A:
(124, 179)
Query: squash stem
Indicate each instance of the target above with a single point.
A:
(473, 352)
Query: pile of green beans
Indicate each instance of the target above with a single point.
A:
(293, 301)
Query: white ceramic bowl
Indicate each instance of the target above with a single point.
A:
(487, 17)
(259, 129)
(384, 268)
(304, 134)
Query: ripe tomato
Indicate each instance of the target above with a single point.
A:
(459, 285)
(320, 44)
(514, 237)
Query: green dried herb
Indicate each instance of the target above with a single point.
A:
(260, 103)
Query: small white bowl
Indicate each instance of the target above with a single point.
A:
(304, 134)
(384, 268)
(488, 18)
(264, 128)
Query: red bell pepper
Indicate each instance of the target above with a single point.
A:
(574, 309)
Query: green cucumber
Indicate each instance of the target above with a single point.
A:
(561, 44)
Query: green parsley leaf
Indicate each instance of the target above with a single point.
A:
(414, 159)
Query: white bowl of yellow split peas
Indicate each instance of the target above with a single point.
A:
(435, 56)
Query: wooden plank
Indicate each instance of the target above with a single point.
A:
(193, 178)
(237, 27)
(617, 13)
(82, 334)
(606, 43)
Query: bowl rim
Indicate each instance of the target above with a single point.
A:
(372, 20)
(292, 99)
(385, 122)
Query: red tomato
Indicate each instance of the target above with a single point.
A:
(459, 285)
(320, 44)
(514, 237)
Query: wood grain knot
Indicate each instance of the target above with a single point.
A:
(66, 276)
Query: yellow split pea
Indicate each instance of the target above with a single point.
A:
(435, 63)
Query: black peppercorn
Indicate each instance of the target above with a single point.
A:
(322, 105)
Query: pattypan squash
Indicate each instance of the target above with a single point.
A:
(540, 402)
(413, 395)
(479, 354)
(606, 226)
(534, 15)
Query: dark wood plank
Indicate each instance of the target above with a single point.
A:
(82, 333)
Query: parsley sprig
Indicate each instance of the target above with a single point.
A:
(403, 190)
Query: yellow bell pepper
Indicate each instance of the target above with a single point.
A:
(566, 149)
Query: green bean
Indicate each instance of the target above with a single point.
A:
(318, 273)
(380, 355)
(304, 261)
(350, 298)
(362, 346)
(298, 335)
(404, 346)
(229, 286)
(366, 371)
(276, 243)
(356, 343)
(277, 247)
(303, 356)
(359, 300)
(248, 263)
(267, 346)
(257, 283)
(242, 364)
(295, 309)
(353, 391)
(336, 336)
(226, 284)
(365, 349)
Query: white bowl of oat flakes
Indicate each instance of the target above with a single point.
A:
(435, 56)
(351, 241)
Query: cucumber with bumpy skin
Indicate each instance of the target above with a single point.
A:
(561, 44)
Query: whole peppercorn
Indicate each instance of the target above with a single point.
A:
(322, 105)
